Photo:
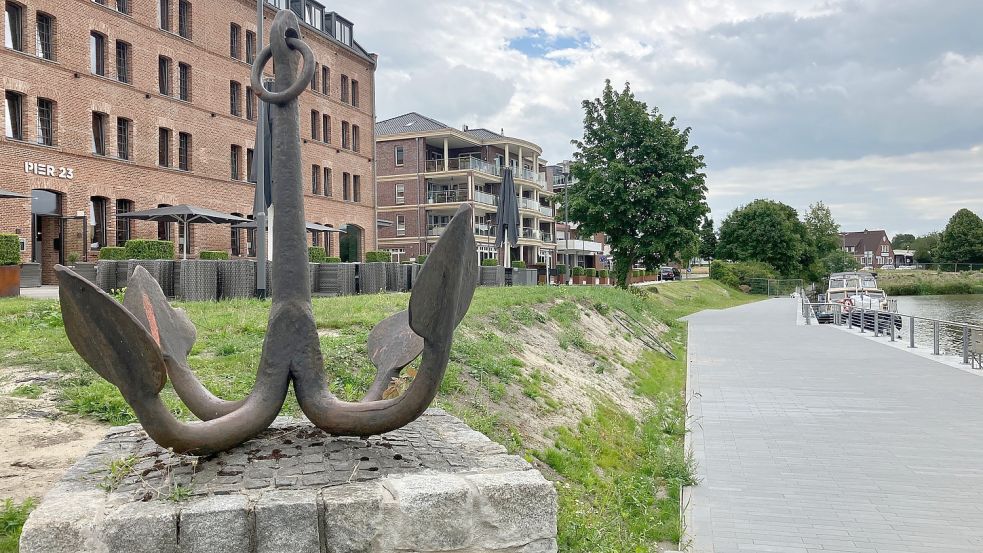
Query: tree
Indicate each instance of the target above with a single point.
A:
(962, 239)
(639, 181)
(708, 240)
(824, 232)
(839, 261)
(767, 231)
(926, 247)
(903, 241)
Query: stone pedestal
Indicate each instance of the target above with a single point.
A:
(435, 485)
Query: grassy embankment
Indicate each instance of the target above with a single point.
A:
(924, 283)
(618, 472)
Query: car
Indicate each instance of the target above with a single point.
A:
(888, 266)
(906, 267)
(667, 273)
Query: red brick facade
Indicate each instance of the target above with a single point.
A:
(68, 81)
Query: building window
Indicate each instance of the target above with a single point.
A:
(400, 225)
(344, 89)
(13, 36)
(250, 104)
(124, 131)
(14, 120)
(163, 229)
(235, 101)
(123, 6)
(164, 9)
(326, 185)
(99, 205)
(314, 76)
(235, 153)
(356, 188)
(355, 138)
(235, 49)
(250, 170)
(184, 19)
(346, 186)
(326, 128)
(343, 32)
(314, 15)
(164, 147)
(250, 46)
(184, 81)
(345, 140)
(124, 226)
(164, 75)
(46, 120)
(44, 35)
(97, 53)
(315, 125)
(184, 151)
(315, 179)
(354, 93)
(99, 133)
(400, 194)
(325, 80)
(234, 244)
(123, 73)
(398, 154)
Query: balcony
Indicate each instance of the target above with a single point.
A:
(546, 237)
(462, 164)
(546, 210)
(526, 174)
(579, 246)
(485, 198)
(527, 203)
(436, 230)
(447, 196)
(530, 234)
(484, 230)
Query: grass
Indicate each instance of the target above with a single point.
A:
(923, 283)
(618, 476)
(12, 518)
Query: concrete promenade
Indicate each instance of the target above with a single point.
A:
(810, 439)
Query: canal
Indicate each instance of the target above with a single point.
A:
(956, 308)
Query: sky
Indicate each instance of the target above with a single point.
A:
(873, 107)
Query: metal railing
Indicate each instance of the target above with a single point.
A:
(546, 210)
(886, 322)
(484, 230)
(527, 203)
(435, 230)
(447, 196)
(775, 288)
(462, 164)
(485, 198)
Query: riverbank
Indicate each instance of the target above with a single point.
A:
(929, 283)
(546, 371)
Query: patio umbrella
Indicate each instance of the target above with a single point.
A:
(9, 194)
(508, 215)
(184, 215)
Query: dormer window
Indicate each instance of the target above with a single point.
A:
(314, 15)
(343, 31)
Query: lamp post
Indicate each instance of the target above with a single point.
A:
(259, 200)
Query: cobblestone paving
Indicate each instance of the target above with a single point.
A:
(290, 455)
(812, 440)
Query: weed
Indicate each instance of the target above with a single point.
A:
(117, 471)
(12, 518)
(179, 492)
(29, 391)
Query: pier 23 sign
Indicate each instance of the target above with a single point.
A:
(44, 170)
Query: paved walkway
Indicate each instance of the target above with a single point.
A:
(809, 439)
(47, 292)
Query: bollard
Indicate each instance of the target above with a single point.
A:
(849, 320)
(935, 337)
(892, 326)
(877, 324)
(911, 332)
(863, 319)
(965, 344)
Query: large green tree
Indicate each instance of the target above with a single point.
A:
(903, 241)
(962, 239)
(926, 247)
(639, 181)
(708, 240)
(768, 231)
(824, 231)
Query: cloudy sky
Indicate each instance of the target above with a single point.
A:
(874, 107)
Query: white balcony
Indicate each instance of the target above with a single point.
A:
(436, 230)
(546, 210)
(447, 196)
(578, 246)
(462, 164)
(485, 198)
(527, 203)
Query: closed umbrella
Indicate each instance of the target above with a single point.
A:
(183, 215)
(508, 215)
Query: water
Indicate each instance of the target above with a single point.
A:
(955, 308)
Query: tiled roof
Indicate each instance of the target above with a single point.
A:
(408, 122)
(863, 240)
(484, 134)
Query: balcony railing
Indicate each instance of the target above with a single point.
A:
(527, 203)
(530, 233)
(484, 230)
(526, 174)
(447, 196)
(436, 230)
(462, 164)
(485, 198)
(546, 210)
(546, 237)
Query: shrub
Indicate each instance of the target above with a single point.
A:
(421, 259)
(378, 257)
(737, 274)
(604, 273)
(516, 264)
(590, 272)
(561, 269)
(490, 262)
(578, 271)
(112, 253)
(332, 260)
(149, 249)
(316, 254)
(9, 249)
(213, 255)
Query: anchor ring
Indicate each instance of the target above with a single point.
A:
(296, 87)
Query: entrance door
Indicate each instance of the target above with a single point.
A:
(47, 229)
(351, 244)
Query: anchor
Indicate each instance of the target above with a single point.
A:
(140, 344)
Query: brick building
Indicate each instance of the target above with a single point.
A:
(122, 105)
(574, 248)
(871, 248)
(427, 169)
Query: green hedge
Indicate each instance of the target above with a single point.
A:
(9, 249)
(378, 257)
(561, 269)
(149, 249)
(332, 260)
(578, 271)
(516, 264)
(590, 272)
(603, 273)
(316, 254)
(421, 259)
(490, 262)
(112, 253)
(736, 274)
(213, 255)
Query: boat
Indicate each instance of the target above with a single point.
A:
(859, 300)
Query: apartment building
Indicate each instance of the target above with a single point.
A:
(573, 248)
(112, 106)
(426, 169)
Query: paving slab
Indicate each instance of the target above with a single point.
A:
(810, 439)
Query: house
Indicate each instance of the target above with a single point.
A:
(871, 248)
(904, 258)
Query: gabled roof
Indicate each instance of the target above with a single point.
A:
(858, 240)
(408, 122)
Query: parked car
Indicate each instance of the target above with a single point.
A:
(889, 266)
(667, 273)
